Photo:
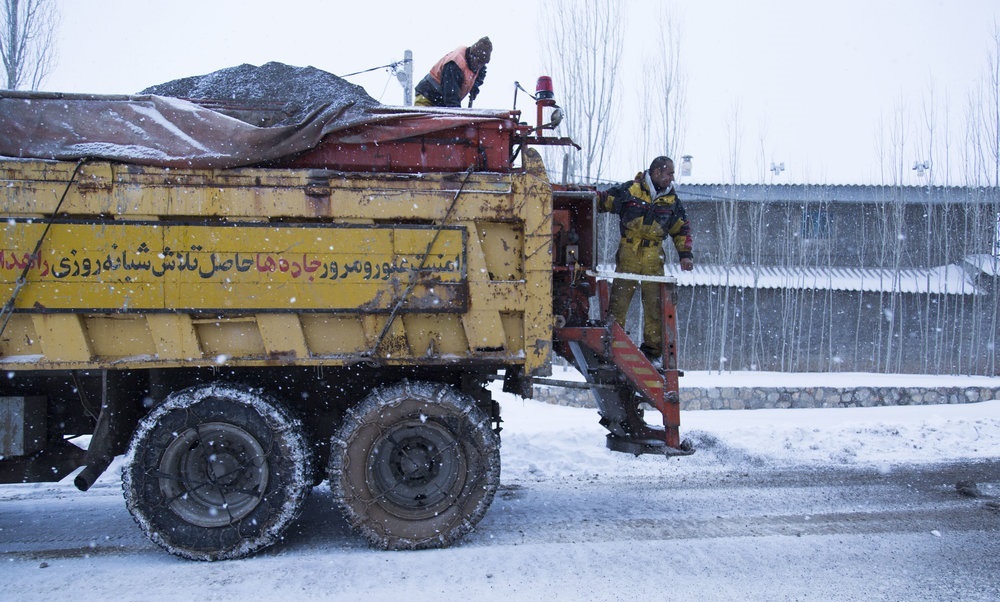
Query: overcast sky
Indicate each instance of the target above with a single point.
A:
(813, 83)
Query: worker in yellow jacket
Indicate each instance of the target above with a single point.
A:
(649, 212)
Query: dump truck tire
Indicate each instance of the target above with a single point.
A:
(414, 466)
(216, 472)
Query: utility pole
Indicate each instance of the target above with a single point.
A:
(405, 77)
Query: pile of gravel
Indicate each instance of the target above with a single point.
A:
(273, 94)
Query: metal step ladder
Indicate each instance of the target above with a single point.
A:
(623, 379)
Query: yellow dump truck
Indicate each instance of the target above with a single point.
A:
(244, 332)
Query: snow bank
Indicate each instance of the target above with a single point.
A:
(544, 441)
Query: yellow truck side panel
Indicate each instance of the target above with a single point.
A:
(147, 267)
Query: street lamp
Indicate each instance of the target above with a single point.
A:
(686, 165)
(776, 169)
(920, 167)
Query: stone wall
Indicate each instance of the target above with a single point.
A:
(755, 398)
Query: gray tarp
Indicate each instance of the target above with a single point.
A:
(235, 116)
(154, 130)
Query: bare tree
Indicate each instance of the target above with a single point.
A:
(991, 111)
(662, 93)
(927, 139)
(27, 41)
(888, 233)
(982, 144)
(727, 212)
(980, 228)
(583, 44)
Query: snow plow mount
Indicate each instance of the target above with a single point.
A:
(648, 446)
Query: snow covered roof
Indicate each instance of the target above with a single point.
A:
(943, 280)
(987, 264)
(819, 193)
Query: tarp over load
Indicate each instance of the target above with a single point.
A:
(238, 116)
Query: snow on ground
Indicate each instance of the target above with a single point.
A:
(830, 379)
(879, 436)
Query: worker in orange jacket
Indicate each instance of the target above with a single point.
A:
(458, 74)
(649, 212)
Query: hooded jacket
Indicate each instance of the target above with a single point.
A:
(450, 80)
(648, 216)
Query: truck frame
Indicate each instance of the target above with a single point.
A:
(243, 334)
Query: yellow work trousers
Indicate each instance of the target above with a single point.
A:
(634, 258)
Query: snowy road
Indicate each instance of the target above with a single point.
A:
(573, 521)
(764, 534)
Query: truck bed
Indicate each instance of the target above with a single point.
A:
(138, 266)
